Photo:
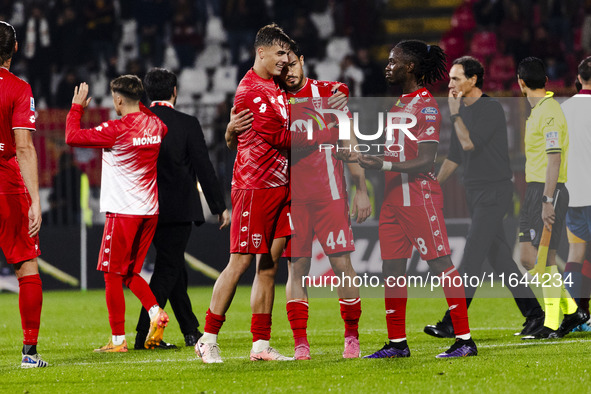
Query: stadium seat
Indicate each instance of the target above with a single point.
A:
(483, 44)
(453, 44)
(193, 81)
(224, 79)
(212, 56)
(328, 70)
(463, 18)
(337, 48)
(501, 70)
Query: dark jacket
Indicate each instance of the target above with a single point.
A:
(182, 161)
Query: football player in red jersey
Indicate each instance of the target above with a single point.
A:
(20, 209)
(319, 202)
(260, 198)
(319, 207)
(129, 196)
(412, 211)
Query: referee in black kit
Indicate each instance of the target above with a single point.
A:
(480, 144)
(182, 160)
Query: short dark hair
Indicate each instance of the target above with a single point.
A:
(471, 67)
(129, 86)
(270, 35)
(7, 41)
(159, 84)
(533, 72)
(429, 60)
(585, 69)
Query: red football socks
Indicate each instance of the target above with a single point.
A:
(213, 322)
(140, 288)
(260, 326)
(30, 299)
(452, 285)
(115, 302)
(395, 297)
(350, 312)
(297, 314)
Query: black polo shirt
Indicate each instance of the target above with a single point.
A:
(488, 163)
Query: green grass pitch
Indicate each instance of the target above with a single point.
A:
(74, 323)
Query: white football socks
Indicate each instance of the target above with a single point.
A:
(209, 338)
(118, 339)
(464, 337)
(260, 345)
(153, 311)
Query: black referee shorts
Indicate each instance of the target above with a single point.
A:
(530, 217)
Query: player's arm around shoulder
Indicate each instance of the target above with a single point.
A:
(239, 122)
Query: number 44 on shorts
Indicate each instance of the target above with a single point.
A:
(341, 240)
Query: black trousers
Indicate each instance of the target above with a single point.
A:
(169, 280)
(486, 238)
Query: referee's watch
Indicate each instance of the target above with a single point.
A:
(547, 199)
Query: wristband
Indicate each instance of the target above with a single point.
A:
(387, 166)
(454, 117)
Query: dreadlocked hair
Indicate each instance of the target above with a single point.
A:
(429, 60)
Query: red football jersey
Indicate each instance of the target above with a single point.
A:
(403, 189)
(130, 150)
(17, 111)
(315, 174)
(261, 161)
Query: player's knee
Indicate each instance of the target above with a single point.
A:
(440, 264)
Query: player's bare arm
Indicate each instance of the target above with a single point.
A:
(447, 169)
(361, 204)
(422, 163)
(27, 161)
(552, 170)
(454, 101)
(239, 122)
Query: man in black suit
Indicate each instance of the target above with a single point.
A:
(183, 159)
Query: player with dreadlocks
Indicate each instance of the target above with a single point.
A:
(412, 211)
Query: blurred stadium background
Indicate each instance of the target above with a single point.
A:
(208, 43)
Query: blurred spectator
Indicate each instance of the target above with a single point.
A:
(351, 75)
(242, 19)
(102, 31)
(64, 199)
(65, 89)
(186, 39)
(373, 75)
(153, 18)
(38, 53)
(512, 26)
(69, 32)
(304, 32)
(488, 13)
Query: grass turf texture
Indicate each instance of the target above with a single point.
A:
(73, 324)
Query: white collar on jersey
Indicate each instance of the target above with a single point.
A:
(162, 103)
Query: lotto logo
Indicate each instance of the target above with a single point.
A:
(245, 214)
(256, 240)
(105, 263)
(430, 130)
(433, 218)
(243, 243)
(32, 119)
(107, 250)
(244, 228)
(436, 233)
(108, 237)
(427, 196)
